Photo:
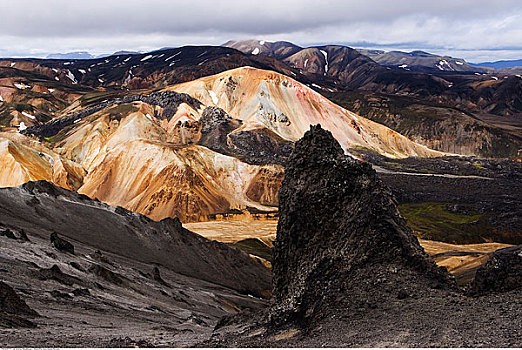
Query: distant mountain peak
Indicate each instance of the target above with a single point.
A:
(76, 55)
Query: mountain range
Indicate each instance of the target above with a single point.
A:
(500, 64)
(432, 100)
(416, 58)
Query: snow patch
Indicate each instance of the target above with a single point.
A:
(403, 66)
(305, 62)
(459, 63)
(51, 90)
(148, 57)
(149, 117)
(183, 119)
(13, 64)
(83, 71)
(55, 70)
(22, 126)
(56, 78)
(100, 80)
(127, 59)
(1, 98)
(442, 64)
(171, 57)
(76, 121)
(494, 78)
(21, 86)
(262, 42)
(71, 77)
(213, 96)
(255, 51)
(325, 54)
(317, 86)
(30, 116)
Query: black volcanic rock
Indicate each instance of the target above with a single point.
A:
(56, 274)
(11, 303)
(61, 244)
(7, 233)
(341, 237)
(13, 309)
(502, 272)
(258, 146)
(107, 274)
(216, 124)
(156, 276)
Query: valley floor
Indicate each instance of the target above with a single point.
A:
(462, 260)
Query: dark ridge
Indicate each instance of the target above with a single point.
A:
(107, 275)
(168, 100)
(56, 274)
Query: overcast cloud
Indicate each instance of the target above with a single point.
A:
(475, 30)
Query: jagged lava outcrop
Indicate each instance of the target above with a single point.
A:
(340, 233)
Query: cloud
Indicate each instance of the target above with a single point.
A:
(100, 26)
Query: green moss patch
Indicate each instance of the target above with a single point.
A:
(435, 221)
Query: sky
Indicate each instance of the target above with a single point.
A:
(475, 30)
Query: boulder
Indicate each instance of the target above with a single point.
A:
(501, 273)
(61, 244)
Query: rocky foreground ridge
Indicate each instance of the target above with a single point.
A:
(75, 272)
(349, 272)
